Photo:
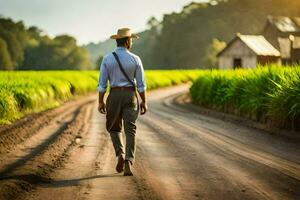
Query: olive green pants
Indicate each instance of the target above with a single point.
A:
(121, 107)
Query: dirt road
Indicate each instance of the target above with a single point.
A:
(65, 153)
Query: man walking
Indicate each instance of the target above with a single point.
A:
(125, 73)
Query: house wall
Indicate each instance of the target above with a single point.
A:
(227, 62)
(264, 60)
(272, 34)
(296, 56)
(249, 62)
(237, 50)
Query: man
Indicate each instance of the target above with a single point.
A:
(122, 99)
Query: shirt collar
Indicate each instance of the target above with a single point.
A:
(121, 49)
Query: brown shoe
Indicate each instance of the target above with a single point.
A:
(127, 170)
(120, 164)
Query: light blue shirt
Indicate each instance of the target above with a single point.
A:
(110, 71)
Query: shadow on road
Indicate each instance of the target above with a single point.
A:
(48, 183)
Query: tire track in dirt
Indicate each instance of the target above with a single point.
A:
(71, 181)
(235, 164)
(35, 144)
(89, 172)
(216, 135)
(23, 129)
(20, 174)
(201, 176)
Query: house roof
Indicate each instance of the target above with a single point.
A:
(285, 24)
(297, 21)
(257, 43)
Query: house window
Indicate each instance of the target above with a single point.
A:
(237, 63)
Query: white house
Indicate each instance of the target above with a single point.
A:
(246, 51)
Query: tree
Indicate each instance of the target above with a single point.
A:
(5, 60)
(210, 59)
(98, 61)
(78, 59)
(152, 23)
(27, 48)
(15, 36)
(60, 53)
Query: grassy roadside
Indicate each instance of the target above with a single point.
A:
(266, 94)
(25, 92)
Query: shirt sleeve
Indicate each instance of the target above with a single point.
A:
(140, 76)
(103, 78)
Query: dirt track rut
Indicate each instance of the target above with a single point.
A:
(181, 154)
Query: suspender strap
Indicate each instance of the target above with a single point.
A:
(122, 69)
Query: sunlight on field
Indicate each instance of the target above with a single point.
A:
(25, 92)
(263, 92)
(266, 92)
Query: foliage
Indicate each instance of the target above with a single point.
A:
(98, 62)
(30, 48)
(266, 92)
(14, 37)
(5, 59)
(97, 49)
(24, 92)
(210, 59)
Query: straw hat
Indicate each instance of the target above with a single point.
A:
(124, 32)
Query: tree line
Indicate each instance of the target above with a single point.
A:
(23, 48)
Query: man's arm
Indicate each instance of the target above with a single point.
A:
(141, 86)
(102, 87)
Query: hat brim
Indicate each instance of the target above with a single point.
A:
(122, 36)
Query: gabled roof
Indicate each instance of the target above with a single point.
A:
(297, 21)
(285, 24)
(257, 43)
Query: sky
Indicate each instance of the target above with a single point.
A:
(88, 20)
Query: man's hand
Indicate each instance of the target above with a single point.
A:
(143, 107)
(102, 107)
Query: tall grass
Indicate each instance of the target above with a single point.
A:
(23, 92)
(264, 93)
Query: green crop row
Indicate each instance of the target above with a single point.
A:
(24, 92)
(265, 93)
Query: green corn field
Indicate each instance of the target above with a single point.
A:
(24, 92)
(264, 93)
